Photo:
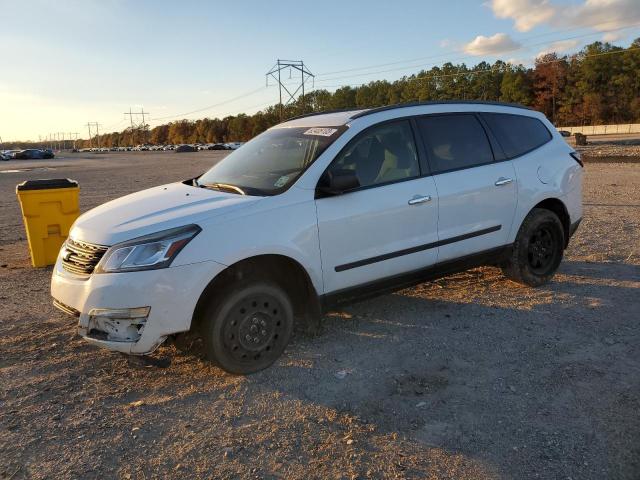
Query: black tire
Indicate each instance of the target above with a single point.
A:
(538, 249)
(247, 327)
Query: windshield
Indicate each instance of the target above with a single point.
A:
(271, 162)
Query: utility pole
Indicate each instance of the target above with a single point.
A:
(275, 73)
(90, 142)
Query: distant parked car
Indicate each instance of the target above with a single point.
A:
(8, 154)
(185, 148)
(564, 133)
(29, 154)
(47, 153)
(234, 145)
(219, 146)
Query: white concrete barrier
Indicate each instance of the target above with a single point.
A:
(604, 129)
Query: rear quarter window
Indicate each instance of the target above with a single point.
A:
(517, 134)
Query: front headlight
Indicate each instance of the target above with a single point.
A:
(147, 253)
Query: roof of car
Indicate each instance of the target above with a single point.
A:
(322, 119)
(342, 117)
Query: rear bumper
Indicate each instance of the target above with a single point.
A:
(171, 293)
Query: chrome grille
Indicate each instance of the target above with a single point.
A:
(81, 258)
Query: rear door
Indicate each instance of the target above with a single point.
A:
(477, 194)
(386, 227)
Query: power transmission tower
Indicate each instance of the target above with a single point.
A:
(74, 139)
(138, 125)
(97, 127)
(89, 127)
(276, 74)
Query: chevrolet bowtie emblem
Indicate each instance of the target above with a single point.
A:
(66, 254)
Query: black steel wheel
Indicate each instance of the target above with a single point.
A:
(538, 249)
(248, 328)
(541, 251)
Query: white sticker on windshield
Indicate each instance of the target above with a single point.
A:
(323, 132)
(282, 181)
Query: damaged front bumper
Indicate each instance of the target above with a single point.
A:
(132, 312)
(116, 324)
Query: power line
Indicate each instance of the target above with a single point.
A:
(407, 67)
(429, 76)
(209, 107)
(113, 125)
(453, 51)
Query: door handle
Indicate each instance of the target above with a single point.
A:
(503, 181)
(419, 199)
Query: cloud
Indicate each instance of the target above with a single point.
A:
(613, 37)
(498, 43)
(600, 15)
(526, 14)
(559, 47)
(604, 15)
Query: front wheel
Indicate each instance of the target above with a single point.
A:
(247, 328)
(538, 249)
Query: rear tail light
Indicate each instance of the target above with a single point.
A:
(576, 156)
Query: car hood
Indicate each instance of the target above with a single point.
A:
(153, 210)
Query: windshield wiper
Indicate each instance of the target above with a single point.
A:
(223, 187)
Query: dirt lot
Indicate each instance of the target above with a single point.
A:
(469, 377)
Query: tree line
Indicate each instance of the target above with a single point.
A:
(598, 85)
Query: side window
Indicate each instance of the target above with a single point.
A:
(382, 154)
(517, 134)
(455, 141)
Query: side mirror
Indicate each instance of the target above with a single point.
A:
(337, 182)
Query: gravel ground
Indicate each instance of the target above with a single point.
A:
(611, 148)
(468, 377)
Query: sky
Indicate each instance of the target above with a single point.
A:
(68, 62)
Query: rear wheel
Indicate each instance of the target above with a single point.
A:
(538, 249)
(247, 328)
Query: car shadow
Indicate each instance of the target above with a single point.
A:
(479, 368)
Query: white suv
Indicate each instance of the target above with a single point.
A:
(317, 211)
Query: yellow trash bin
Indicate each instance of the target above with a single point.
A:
(49, 208)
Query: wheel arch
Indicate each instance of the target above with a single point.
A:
(284, 270)
(558, 207)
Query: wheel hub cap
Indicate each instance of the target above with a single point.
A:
(541, 251)
(255, 331)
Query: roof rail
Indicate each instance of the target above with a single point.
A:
(438, 102)
(325, 112)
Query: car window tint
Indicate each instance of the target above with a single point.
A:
(382, 154)
(517, 134)
(455, 141)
